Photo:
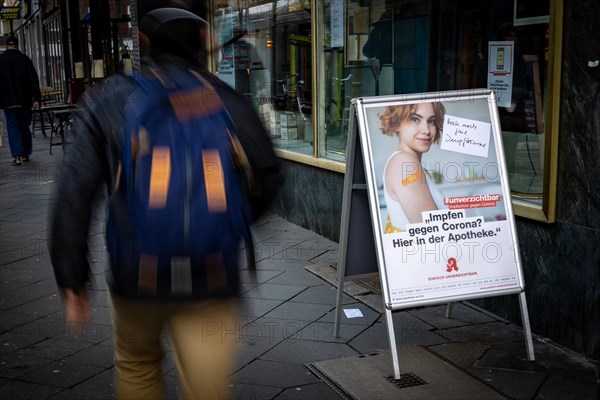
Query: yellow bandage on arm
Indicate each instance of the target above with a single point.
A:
(411, 178)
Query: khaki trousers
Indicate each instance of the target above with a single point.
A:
(203, 334)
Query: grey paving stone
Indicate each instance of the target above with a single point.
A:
(258, 276)
(270, 373)
(101, 385)
(320, 250)
(70, 394)
(13, 364)
(289, 250)
(61, 374)
(7, 285)
(242, 391)
(274, 222)
(22, 275)
(376, 338)
(28, 251)
(54, 348)
(463, 354)
(548, 358)
(97, 282)
(298, 234)
(245, 287)
(50, 327)
(274, 292)
(306, 351)
(461, 315)
(173, 388)
(11, 319)
(300, 311)
(18, 296)
(17, 390)
(309, 250)
(491, 332)
(322, 294)
(279, 263)
(272, 328)
(560, 387)
(13, 341)
(313, 391)
(97, 297)
(41, 306)
(168, 364)
(324, 332)
(297, 277)
(100, 355)
(516, 385)
(368, 318)
(248, 349)
(256, 307)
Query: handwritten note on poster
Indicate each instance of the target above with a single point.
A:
(466, 136)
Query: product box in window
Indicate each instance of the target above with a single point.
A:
(288, 133)
(288, 120)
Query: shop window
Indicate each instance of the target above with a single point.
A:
(264, 50)
(391, 47)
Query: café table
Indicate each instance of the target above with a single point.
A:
(61, 123)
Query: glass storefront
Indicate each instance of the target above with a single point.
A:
(271, 64)
(302, 62)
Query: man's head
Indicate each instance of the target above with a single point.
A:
(12, 42)
(172, 27)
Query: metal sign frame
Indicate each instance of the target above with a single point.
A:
(358, 186)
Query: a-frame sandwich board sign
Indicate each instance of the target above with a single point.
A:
(427, 181)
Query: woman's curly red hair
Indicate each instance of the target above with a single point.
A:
(393, 116)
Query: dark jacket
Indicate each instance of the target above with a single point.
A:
(18, 79)
(91, 164)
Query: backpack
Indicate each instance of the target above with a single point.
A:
(178, 209)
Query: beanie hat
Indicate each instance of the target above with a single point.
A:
(12, 40)
(172, 29)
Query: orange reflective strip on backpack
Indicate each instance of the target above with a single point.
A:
(160, 175)
(214, 181)
(195, 103)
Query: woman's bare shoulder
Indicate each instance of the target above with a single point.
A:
(401, 159)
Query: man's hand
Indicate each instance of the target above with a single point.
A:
(36, 105)
(77, 308)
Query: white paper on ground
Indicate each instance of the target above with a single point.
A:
(353, 313)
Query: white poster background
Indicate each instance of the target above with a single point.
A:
(452, 258)
(500, 70)
(466, 250)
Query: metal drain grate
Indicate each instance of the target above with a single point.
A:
(407, 380)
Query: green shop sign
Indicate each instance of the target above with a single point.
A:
(10, 12)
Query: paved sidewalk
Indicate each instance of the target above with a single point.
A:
(286, 344)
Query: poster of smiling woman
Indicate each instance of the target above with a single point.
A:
(439, 197)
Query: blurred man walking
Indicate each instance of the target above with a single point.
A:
(20, 90)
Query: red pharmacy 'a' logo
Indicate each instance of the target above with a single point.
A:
(451, 265)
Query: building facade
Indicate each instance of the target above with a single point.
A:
(301, 62)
